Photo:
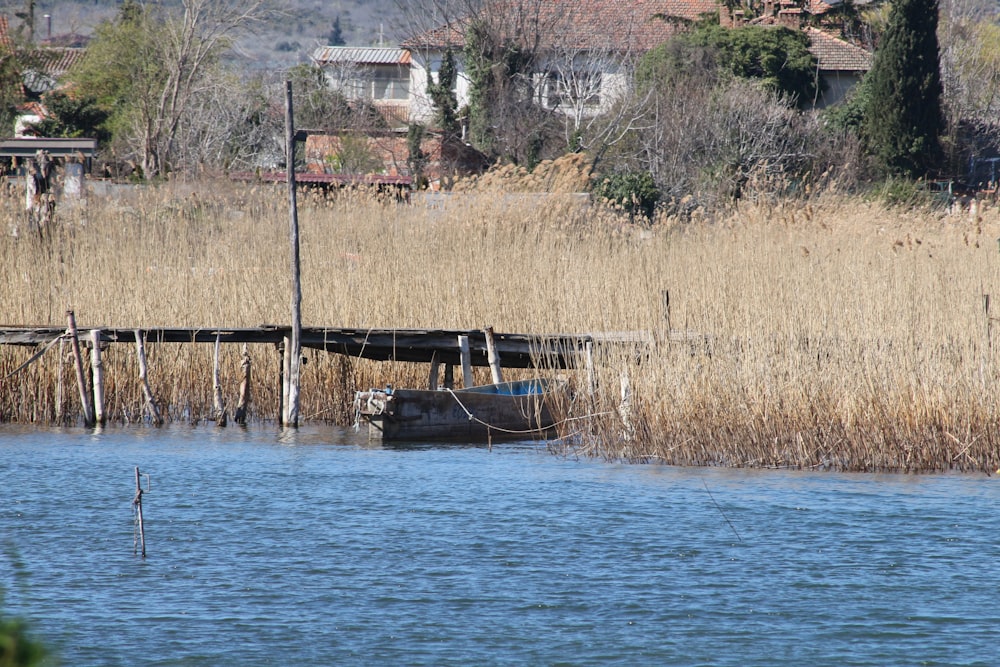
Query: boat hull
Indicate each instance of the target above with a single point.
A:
(512, 410)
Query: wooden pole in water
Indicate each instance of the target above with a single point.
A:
(97, 367)
(139, 534)
(241, 408)
(147, 393)
(59, 383)
(218, 405)
(81, 379)
(432, 382)
(295, 353)
(494, 358)
(466, 355)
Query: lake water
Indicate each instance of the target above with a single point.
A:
(316, 549)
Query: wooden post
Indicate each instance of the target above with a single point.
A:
(294, 353)
(241, 407)
(665, 297)
(218, 404)
(59, 383)
(989, 323)
(81, 379)
(432, 383)
(286, 363)
(591, 376)
(139, 533)
(147, 393)
(97, 367)
(449, 376)
(466, 355)
(494, 358)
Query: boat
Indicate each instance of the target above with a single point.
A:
(508, 410)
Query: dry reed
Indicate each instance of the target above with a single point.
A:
(831, 334)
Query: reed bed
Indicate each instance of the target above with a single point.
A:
(834, 334)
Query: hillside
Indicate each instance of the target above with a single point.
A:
(285, 40)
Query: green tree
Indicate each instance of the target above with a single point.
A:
(147, 66)
(11, 90)
(903, 118)
(416, 158)
(442, 94)
(72, 116)
(17, 648)
(336, 34)
(779, 57)
(505, 120)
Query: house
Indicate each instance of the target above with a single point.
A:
(583, 52)
(379, 75)
(585, 47)
(41, 69)
(840, 63)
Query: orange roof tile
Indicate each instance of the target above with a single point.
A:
(834, 54)
(585, 24)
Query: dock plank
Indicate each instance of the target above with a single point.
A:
(516, 350)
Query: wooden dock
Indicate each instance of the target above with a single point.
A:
(412, 345)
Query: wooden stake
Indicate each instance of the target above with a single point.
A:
(139, 533)
(241, 408)
(494, 358)
(432, 383)
(81, 379)
(286, 363)
(59, 383)
(147, 393)
(97, 367)
(218, 404)
(295, 353)
(466, 355)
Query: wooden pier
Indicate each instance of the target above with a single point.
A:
(436, 347)
(443, 346)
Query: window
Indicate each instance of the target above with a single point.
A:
(574, 89)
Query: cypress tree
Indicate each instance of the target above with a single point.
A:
(903, 118)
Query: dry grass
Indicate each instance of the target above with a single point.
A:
(837, 334)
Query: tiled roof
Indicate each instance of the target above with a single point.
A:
(582, 24)
(834, 54)
(55, 62)
(5, 42)
(361, 55)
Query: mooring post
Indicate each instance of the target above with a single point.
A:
(81, 378)
(218, 404)
(494, 358)
(59, 382)
(147, 393)
(466, 355)
(591, 374)
(432, 380)
(97, 368)
(139, 531)
(241, 408)
(295, 353)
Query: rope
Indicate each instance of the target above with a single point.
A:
(474, 418)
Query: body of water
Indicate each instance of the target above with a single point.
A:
(315, 548)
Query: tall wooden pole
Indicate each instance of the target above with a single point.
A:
(86, 406)
(295, 353)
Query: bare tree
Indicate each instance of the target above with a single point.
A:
(150, 64)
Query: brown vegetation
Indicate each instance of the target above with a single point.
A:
(830, 334)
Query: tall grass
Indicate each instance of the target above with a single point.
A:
(834, 334)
